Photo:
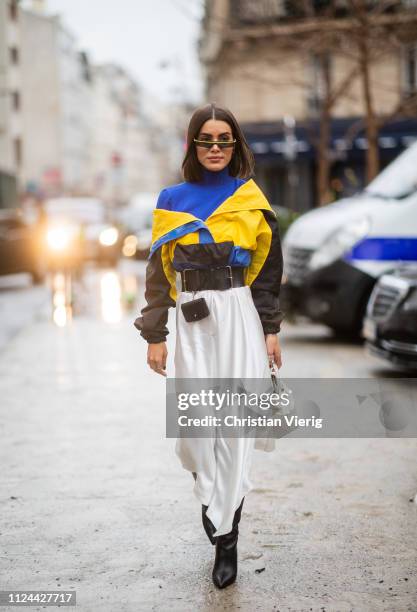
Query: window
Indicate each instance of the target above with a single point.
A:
(398, 179)
(248, 11)
(16, 100)
(13, 10)
(17, 145)
(320, 71)
(410, 69)
(14, 55)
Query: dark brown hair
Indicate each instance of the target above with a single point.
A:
(242, 163)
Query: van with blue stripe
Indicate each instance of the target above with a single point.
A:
(334, 255)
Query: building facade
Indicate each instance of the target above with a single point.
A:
(70, 127)
(127, 156)
(56, 106)
(268, 62)
(10, 103)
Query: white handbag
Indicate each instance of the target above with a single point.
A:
(281, 388)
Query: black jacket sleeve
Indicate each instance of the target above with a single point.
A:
(266, 286)
(153, 322)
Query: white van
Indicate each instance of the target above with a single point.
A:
(334, 255)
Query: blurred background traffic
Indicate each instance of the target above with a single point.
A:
(94, 105)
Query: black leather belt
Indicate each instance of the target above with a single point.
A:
(221, 278)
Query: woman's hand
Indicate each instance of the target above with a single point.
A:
(157, 357)
(273, 349)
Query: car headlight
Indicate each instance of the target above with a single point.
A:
(59, 238)
(340, 243)
(109, 236)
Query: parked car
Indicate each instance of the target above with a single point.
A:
(334, 255)
(20, 246)
(79, 230)
(390, 325)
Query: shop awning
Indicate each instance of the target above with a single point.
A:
(268, 140)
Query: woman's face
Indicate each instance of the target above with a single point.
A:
(214, 158)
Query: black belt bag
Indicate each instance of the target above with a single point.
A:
(193, 280)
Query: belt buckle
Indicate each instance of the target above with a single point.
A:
(229, 276)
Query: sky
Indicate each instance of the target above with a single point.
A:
(141, 35)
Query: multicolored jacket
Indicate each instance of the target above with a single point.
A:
(242, 231)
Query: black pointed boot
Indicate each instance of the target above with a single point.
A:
(225, 563)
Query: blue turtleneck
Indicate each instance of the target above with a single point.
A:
(202, 198)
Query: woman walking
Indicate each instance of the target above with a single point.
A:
(218, 231)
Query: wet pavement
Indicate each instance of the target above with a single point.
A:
(20, 302)
(94, 499)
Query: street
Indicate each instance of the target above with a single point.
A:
(94, 499)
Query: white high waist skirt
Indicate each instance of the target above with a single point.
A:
(229, 343)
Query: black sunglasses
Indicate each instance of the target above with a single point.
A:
(207, 144)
